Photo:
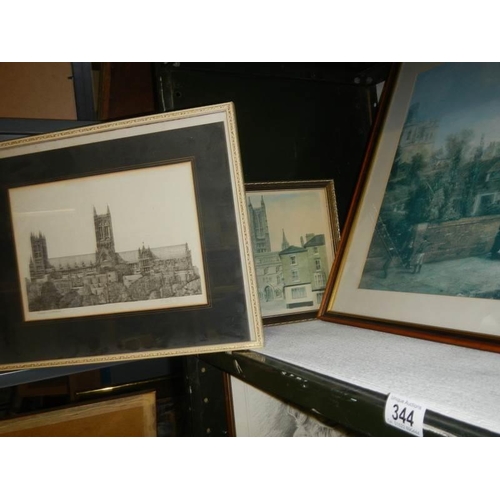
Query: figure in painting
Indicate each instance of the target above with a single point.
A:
(419, 256)
(496, 246)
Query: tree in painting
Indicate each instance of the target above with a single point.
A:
(441, 210)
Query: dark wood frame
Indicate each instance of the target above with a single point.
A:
(438, 334)
(329, 188)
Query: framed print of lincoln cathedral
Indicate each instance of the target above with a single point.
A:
(126, 240)
(87, 246)
(294, 233)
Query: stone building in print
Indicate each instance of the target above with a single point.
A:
(305, 271)
(39, 261)
(417, 136)
(108, 275)
(293, 277)
(267, 263)
(105, 241)
(259, 228)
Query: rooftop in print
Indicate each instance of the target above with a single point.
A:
(108, 276)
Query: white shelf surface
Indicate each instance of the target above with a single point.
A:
(461, 383)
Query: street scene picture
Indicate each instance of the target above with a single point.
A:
(119, 242)
(291, 233)
(438, 230)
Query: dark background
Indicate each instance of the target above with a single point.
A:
(296, 121)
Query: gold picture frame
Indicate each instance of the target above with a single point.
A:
(295, 234)
(127, 240)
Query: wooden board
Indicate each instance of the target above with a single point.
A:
(119, 417)
(37, 90)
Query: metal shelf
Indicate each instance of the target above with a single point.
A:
(345, 374)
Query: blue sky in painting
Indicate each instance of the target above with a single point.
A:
(459, 96)
(298, 212)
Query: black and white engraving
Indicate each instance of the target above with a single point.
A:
(116, 276)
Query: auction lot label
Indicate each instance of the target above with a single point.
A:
(405, 414)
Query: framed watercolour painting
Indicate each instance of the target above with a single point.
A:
(126, 240)
(421, 251)
(294, 232)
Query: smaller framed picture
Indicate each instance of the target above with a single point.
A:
(294, 231)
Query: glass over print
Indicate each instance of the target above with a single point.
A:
(85, 247)
(126, 240)
(421, 256)
(294, 234)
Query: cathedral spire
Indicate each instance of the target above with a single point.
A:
(284, 243)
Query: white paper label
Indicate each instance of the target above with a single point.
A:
(405, 414)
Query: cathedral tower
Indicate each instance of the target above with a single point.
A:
(104, 231)
(259, 229)
(105, 242)
(39, 262)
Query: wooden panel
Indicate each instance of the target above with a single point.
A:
(121, 417)
(126, 90)
(37, 90)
